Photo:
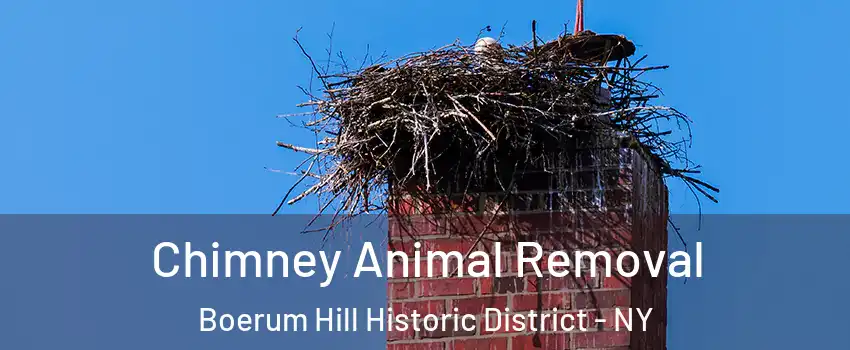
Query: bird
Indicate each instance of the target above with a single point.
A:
(489, 54)
(487, 44)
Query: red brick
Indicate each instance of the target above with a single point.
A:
(502, 285)
(567, 283)
(477, 305)
(541, 341)
(406, 246)
(616, 282)
(543, 265)
(467, 225)
(621, 235)
(533, 222)
(603, 238)
(495, 343)
(401, 290)
(422, 307)
(481, 265)
(499, 223)
(594, 220)
(609, 229)
(402, 207)
(446, 245)
(544, 301)
(485, 285)
(394, 334)
(418, 346)
(587, 322)
(448, 332)
(398, 269)
(610, 317)
(600, 339)
(447, 287)
(602, 299)
(412, 227)
(434, 205)
(426, 226)
(508, 264)
(504, 328)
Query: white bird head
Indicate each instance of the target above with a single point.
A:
(486, 44)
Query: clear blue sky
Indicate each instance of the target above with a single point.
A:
(169, 106)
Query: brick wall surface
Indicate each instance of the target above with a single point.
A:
(622, 206)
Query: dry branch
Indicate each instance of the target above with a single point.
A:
(452, 122)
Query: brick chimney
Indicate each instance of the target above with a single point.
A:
(611, 199)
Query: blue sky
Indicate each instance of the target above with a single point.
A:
(169, 106)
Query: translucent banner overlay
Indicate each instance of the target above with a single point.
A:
(89, 282)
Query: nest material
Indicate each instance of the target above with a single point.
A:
(452, 121)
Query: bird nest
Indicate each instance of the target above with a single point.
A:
(457, 120)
